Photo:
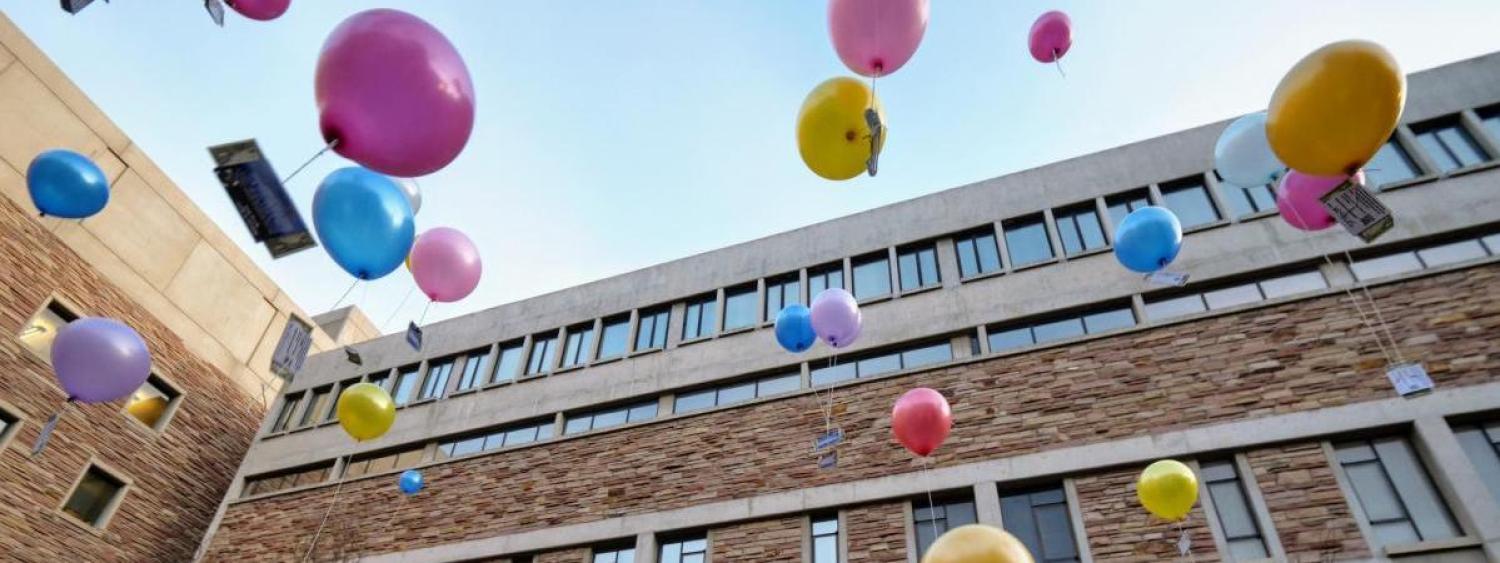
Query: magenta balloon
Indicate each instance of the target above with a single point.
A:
(836, 318)
(1298, 199)
(876, 37)
(394, 94)
(98, 360)
(921, 420)
(445, 264)
(1051, 36)
(263, 10)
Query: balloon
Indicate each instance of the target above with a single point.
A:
(921, 420)
(1168, 489)
(366, 411)
(364, 221)
(1148, 239)
(1243, 156)
(263, 10)
(66, 184)
(394, 94)
(1336, 108)
(836, 317)
(977, 543)
(412, 191)
(411, 482)
(832, 134)
(876, 37)
(1298, 199)
(445, 264)
(98, 360)
(1051, 36)
(794, 329)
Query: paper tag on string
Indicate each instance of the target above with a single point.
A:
(46, 433)
(1175, 279)
(73, 6)
(1358, 210)
(215, 10)
(877, 134)
(353, 356)
(414, 336)
(1409, 379)
(1184, 544)
(829, 460)
(260, 198)
(829, 439)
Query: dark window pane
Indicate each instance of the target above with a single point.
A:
(700, 318)
(507, 364)
(1390, 164)
(1190, 202)
(315, 406)
(1108, 320)
(474, 364)
(93, 495)
(1058, 330)
(579, 344)
(1027, 242)
(1423, 502)
(779, 384)
(917, 268)
(613, 338)
(926, 355)
(823, 278)
(872, 278)
(652, 332)
(739, 308)
(1056, 531)
(541, 355)
(1013, 338)
(1233, 512)
(780, 293)
(977, 254)
(736, 393)
(694, 401)
(1015, 511)
(436, 381)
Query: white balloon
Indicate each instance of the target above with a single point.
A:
(412, 191)
(1243, 156)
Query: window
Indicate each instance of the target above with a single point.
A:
(406, 384)
(613, 416)
(699, 317)
(496, 438)
(1026, 334)
(931, 521)
(1026, 240)
(95, 496)
(474, 364)
(262, 484)
(977, 253)
(1481, 443)
(1232, 295)
(8, 425)
(616, 554)
(333, 412)
(1232, 509)
(652, 330)
(917, 267)
(1040, 519)
(579, 345)
(1390, 164)
(877, 363)
(540, 359)
(824, 277)
(1188, 199)
(1243, 201)
(284, 417)
(38, 333)
(1121, 205)
(872, 276)
(780, 292)
(1394, 493)
(436, 382)
(389, 460)
(692, 549)
(1490, 117)
(317, 403)
(379, 379)
(507, 362)
(737, 392)
(1449, 145)
(1433, 256)
(739, 307)
(1079, 228)
(825, 539)
(154, 401)
(614, 338)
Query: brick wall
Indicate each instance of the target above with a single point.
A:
(1283, 359)
(1119, 529)
(576, 555)
(877, 533)
(769, 541)
(1306, 505)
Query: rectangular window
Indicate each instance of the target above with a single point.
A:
(380, 379)
(436, 382)
(1188, 199)
(1451, 253)
(696, 400)
(263, 484)
(1079, 228)
(474, 368)
(1163, 309)
(977, 253)
(1244, 201)
(508, 362)
(1122, 204)
(1026, 240)
(579, 345)
(284, 417)
(1391, 164)
(1449, 144)
(406, 385)
(780, 292)
(917, 267)
(699, 317)
(1490, 117)
(870, 365)
(1040, 519)
(614, 555)
(651, 334)
(7, 426)
(1481, 443)
(1232, 509)
(613, 416)
(507, 436)
(778, 384)
(390, 460)
(333, 412)
(739, 307)
(615, 337)
(38, 332)
(825, 539)
(95, 496)
(1292, 284)
(824, 277)
(1433, 256)
(317, 403)
(872, 276)
(1392, 488)
(736, 392)
(540, 360)
(931, 521)
(154, 401)
(1017, 336)
(1388, 265)
(1232, 296)
(692, 549)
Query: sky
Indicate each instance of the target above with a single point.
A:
(614, 135)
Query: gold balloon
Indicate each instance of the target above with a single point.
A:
(366, 411)
(148, 411)
(1336, 108)
(832, 133)
(977, 543)
(1168, 489)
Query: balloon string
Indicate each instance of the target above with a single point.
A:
(331, 504)
(1375, 306)
(299, 169)
(931, 508)
(423, 318)
(1057, 60)
(392, 316)
(346, 294)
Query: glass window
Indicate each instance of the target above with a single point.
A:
(508, 362)
(917, 267)
(92, 497)
(1393, 489)
(7, 424)
(877, 365)
(735, 393)
(380, 379)
(699, 317)
(931, 521)
(1040, 519)
(1174, 307)
(1122, 204)
(1490, 117)
(927, 355)
(474, 364)
(460, 447)
(332, 413)
(825, 540)
(150, 402)
(977, 253)
(1232, 509)
(540, 359)
(619, 555)
(1014, 338)
(1079, 229)
(872, 276)
(578, 346)
(1189, 200)
(614, 337)
(318, 401)
(288, 406)
(1292, 284)
(613, 417)
(438, 373)
(833, 373)
(1108, 320)
(1232, 295)
(1244, 201)
(1026, 240)
(1482, 444)
(696, 400)
(1451, 253)
(1492, 242)
(1388, 265)
(651, 332)
(406, 385)
(739, 307)
(580, 423)
(1057, 330)
(780, 292)
(642, 411)
(1391, 164)
(778, 384)
(525, 435)
(824, 277)
(1450, 146)
(265, 484)
(685, 550)
(38, 333)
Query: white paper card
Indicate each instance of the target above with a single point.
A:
(1175, 279)
(1358, 210)
(1409, 379)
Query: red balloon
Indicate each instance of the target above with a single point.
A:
(921, 420)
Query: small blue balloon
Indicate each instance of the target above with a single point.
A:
(411, 481)
(794, 330)
(365, 222)
(66, 184)
(1148, 239)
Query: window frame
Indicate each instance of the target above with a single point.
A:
(825, 271)
(614, 548)
(916, 251)
(494, 378)
(548, 345)
(174, 394)
(429, 371)
(1223, 186)
(810, 538)
(1127, 199)
(106, 514)
(1434, 127)
(742, 291)
(944, 500)
(13, 422)
(1018, 224)
(1255, 503)
(1187, 183)
(973, 237)
(59, 307)
(659, 315)
(1070, 505)
(289, 409)
(778, 286)
(705, 303)
(681, 538)
(882, 255)
(1357, 507)
(1071, 213)
(416, 375)
(605, 324)
(582, 348)
(474, 365)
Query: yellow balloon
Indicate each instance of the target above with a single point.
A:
(1336, 108)
(1168, 489)
(366, 411)
(408, 262)
(977, 543)
(832, 133)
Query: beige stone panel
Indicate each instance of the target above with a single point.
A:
(5, 55)
(78, 103)
(321, 341)
(144, 231)
(217, 296)
(34, 120)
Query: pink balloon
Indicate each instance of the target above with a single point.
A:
(876, 37)
(921, 420)
(263, 10)
(445, 264)
(1297, 199)
(394, 94)
(1051, 36)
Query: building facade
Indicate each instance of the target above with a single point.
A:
(651, 417)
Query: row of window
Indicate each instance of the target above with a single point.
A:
(1431, 256)
(737, 392)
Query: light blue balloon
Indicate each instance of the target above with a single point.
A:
(1148, 239)
(411, 482)
(66, 184)
(1243, 155)
(364, 221)
(794, 330)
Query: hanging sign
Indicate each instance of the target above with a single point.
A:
(1358, 210)
(260, 198)
(877, 133)
(73, 6)
(829, 439)
(414, 336)
(215, 10)
(829, 460)
(1409, 379)
(291, 351)
(1174, 279)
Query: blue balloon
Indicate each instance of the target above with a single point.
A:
(364, 220)
(66, 184)
(794, 330)
(411, 481)
(1148, 239)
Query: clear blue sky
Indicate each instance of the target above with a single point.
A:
(615, 135)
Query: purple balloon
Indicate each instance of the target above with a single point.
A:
(445, 264)
(394, 94)
(261, 10)
(99, 360)
(836, 317)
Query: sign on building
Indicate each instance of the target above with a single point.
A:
(291, 351)
(1358, 210)
(260, 198)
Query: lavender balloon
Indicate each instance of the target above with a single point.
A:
(99, 360)
(836, 317)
